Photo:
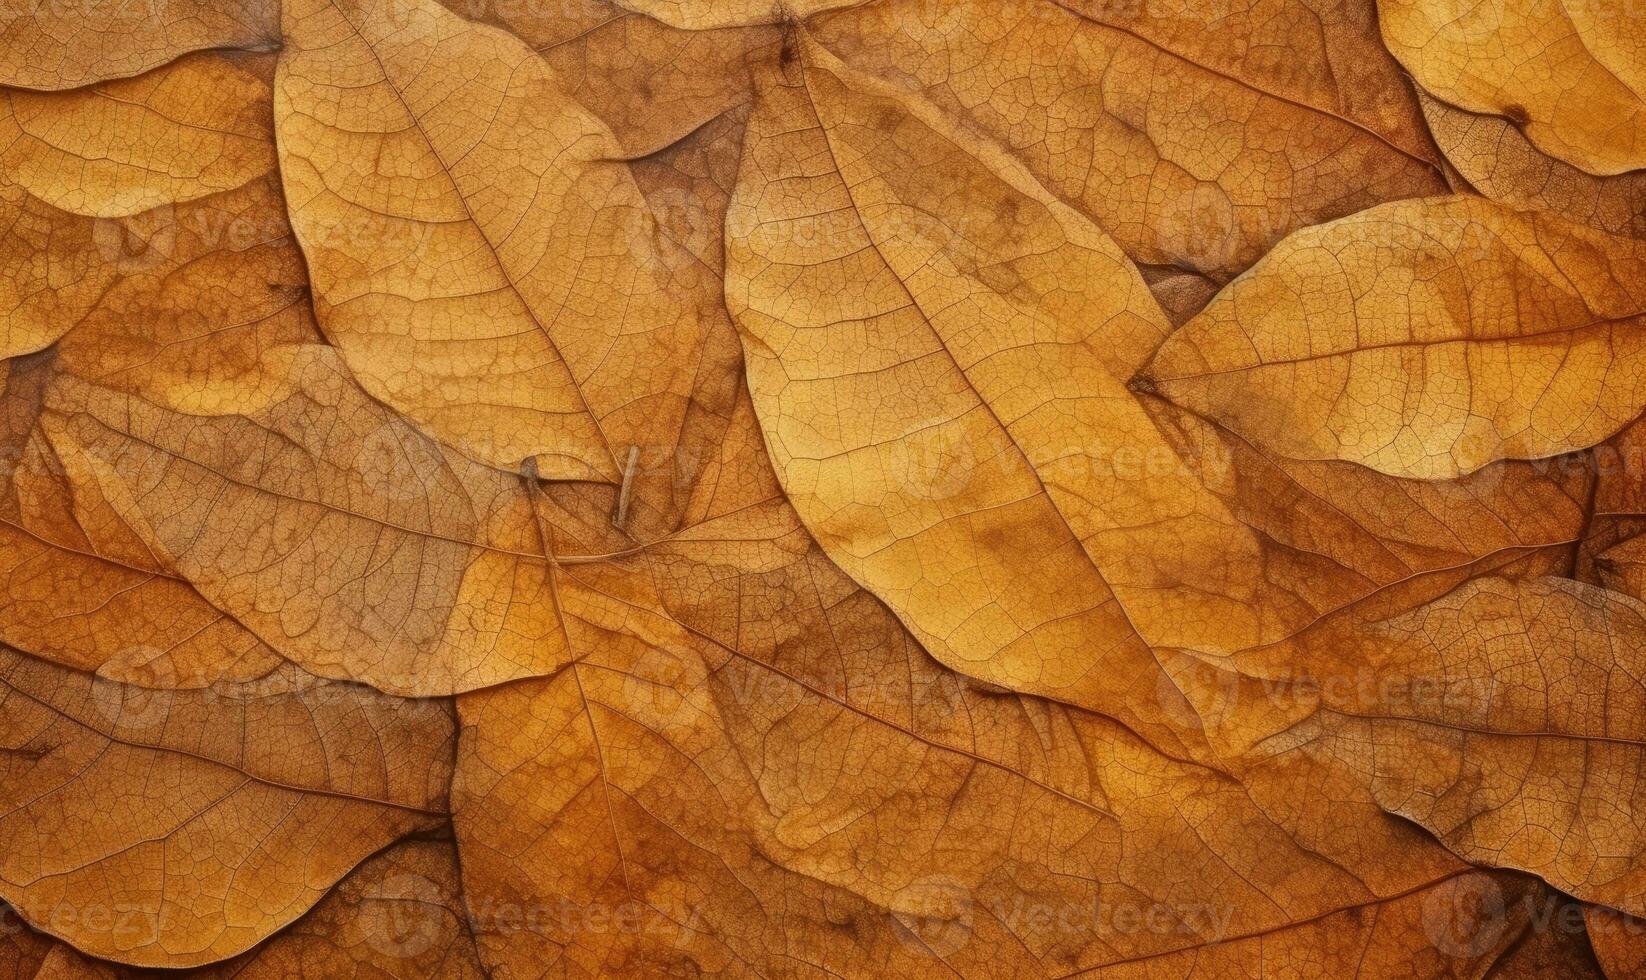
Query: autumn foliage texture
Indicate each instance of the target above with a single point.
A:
(675, 488)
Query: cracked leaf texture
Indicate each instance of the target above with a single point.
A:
(1130, 489)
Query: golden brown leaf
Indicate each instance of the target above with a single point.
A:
(756, 767)
(193, 128)
(1423, 339)
(1570, 73)
(1504, 717)
(1553, 945)
(174, 472)
(1498, 160)
(1008, 496)
(651, 82)
(1195, 134)
(1619, 942)
(172, 828)
(898, 488)
(66, 45)
(22, 950)
(215, 278)
(399, 914)
(395, 561)
(993, 494)
(498, 277)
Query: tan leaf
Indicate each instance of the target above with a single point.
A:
(1504, 717)
(1570, 73)
(1007, 495)
(172, 828)
(1500, 162)
(174, 473)
(216, 280)
(1623, 566)
(900, 488)
(651, 82)
(700, 15)
(751, 758)
(351, 542)
(399, 914)
(497, 276)
(67, 45)
(984, 494)
(1340, 535)
(193, 128)
(1195, 134)
(1423, 339)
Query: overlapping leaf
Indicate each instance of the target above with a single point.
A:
(659, 487)
(496, 249)
(1503, 716)
(241, 804)
(1423, 339)
(68, 45)
(750, 756)
(1195, 135)
(1570, 73)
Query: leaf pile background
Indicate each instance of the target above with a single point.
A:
(677, 488)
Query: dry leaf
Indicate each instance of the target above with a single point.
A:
(1194, 134)
(1570, 73)
(651, 82)
(751, 757)
(213, 279)
(1498, 160)
(66, 45)
(1503, 716)
(400, 913)
(173, 828)
(130, 441)
(503, 281)
(1559, 947)
(988, 496)
(895, 488)
(1619, 942)
(193, 128)
(1009, 497)
(1423, 339)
